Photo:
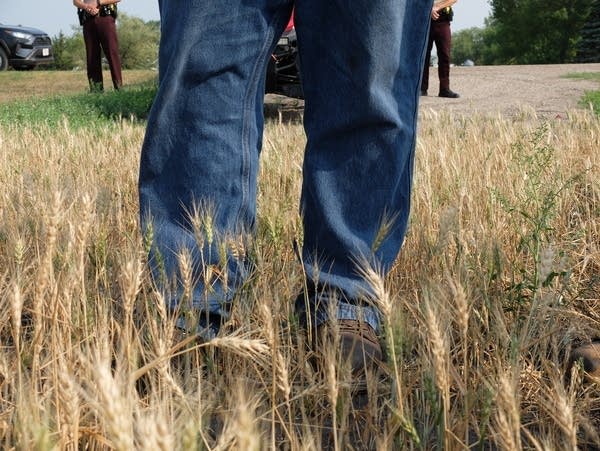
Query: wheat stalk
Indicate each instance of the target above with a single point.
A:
(439, 354)
(508, 420)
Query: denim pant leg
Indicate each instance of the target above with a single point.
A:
(203, 141)
(362, 63)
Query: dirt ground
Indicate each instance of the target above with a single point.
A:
(504, 90)
(508, 89)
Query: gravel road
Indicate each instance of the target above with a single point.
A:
(507, 89)
(501, 90)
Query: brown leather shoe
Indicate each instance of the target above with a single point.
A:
(359, 346)
(589, 356)
(360, 368)
(360, 351)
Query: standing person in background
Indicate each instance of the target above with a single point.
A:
(440, 33)
(98, 18)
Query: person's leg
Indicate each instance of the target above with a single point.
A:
(93, 55)
(203, 141)
(109, 40)
(425, 79)
(442, 44)
(362, 63)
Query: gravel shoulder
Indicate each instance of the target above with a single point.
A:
(490, 90)
(507, 90)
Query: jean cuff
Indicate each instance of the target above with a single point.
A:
(346, 311)
(207, 328)
(368, 314)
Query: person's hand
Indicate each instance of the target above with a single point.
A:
(435, 14)
(92, 10)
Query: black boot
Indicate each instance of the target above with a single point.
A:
(448, 93)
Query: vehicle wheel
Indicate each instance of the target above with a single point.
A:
(3, 59)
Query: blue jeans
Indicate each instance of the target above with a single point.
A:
(361, 70)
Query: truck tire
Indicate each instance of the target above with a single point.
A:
(3, 59)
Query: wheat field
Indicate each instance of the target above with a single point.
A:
(497, 280)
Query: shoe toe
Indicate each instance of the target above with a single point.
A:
(360, 354)
(360, 348)
(589, 356)
(449, 94)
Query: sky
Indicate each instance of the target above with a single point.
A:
(53, 16)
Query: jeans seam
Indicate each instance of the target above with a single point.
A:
(424, 45)
(249, 108)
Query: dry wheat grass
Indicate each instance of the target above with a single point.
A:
(498, 278)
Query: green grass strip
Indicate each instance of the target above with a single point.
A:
(82, 110)
(591, 99)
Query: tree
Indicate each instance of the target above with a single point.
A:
(138, 42)
(588, 49)
(468, 44)
(491, 52)
(69, 51)
(538, 31)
